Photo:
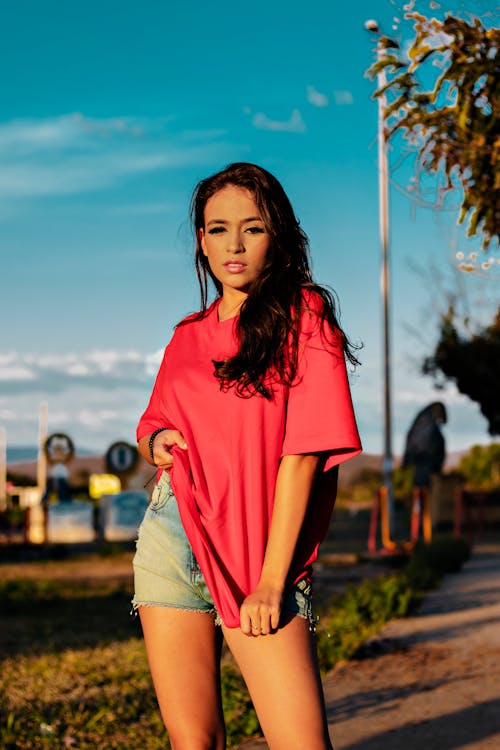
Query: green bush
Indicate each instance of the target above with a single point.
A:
(25, 592)
(239, 713)
(481, 467)
(12, 518)
(355, 616)
(403, 482)
(429, 562)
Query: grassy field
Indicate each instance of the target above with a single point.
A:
(74, 671)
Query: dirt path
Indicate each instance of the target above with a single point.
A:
(428, 682)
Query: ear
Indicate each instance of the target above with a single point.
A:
(201, 237)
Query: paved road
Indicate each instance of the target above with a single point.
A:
(429, 682)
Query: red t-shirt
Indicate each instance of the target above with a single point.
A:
(225, 481)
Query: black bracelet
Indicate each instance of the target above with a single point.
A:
(152, 439)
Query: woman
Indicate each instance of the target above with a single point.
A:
(249, 418)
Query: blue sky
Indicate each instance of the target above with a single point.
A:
(110, 113)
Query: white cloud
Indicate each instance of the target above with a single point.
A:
(74, 154)
(153, 361)
(97, 418)
(343, 97)
(16, 372)
(23, 137)
(96, 397)
(451, 396)
(8, 415)
(94, 417)
(51, 372)
(105, 127)
(109, 360)
(99, 395)
(18, 137)
(293, 125)
(74, 173)
(78, 369)
(316, 98)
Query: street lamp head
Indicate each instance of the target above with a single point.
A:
(371, 25)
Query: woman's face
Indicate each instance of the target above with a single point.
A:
(234, 238)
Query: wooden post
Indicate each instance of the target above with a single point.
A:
(372, 533)
(426, 516)
(387, 542)
(41, 469)
(416, 513)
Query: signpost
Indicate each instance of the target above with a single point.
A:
(41, 466)
(121, 458)
(103, 484)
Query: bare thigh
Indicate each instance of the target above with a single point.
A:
(183, 651)
(282, 676)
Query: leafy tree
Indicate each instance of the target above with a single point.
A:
(453, 124)
(481, 466)
(473, 362)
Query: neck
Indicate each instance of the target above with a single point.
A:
(229, 307)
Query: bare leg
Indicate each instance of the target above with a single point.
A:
(184, 658)
(282, 676)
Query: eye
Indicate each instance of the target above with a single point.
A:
(216, 230)
(255, 230)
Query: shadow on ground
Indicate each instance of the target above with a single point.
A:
(448, 732)
(49, 627)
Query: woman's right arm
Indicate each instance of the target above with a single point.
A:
(163, 441)
(154, 420)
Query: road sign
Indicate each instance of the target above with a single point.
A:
(59, 448)
(103, 484)
(121, 458)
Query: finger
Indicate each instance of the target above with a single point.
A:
(270, 622)
(177, 439)
(265, 627)
(255, 627)
(275, 618)
(162, 457)
(245, 624)
(165, 465)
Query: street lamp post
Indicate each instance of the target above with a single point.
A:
(383, 175)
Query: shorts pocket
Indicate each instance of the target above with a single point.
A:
(161, 494)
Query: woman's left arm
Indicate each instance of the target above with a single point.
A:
(260, 611)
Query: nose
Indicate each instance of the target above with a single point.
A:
(235, 244)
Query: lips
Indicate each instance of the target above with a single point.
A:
(234, 266)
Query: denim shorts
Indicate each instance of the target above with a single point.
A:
(167, 574)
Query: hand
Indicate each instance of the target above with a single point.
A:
(161, 447)
(260, 611)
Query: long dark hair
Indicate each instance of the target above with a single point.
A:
(269, 322)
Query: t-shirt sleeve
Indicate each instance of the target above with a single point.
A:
(320, 415)
(154, 417)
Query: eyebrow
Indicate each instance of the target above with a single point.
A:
(245, 221)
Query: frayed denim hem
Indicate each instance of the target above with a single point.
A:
(136, 604)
